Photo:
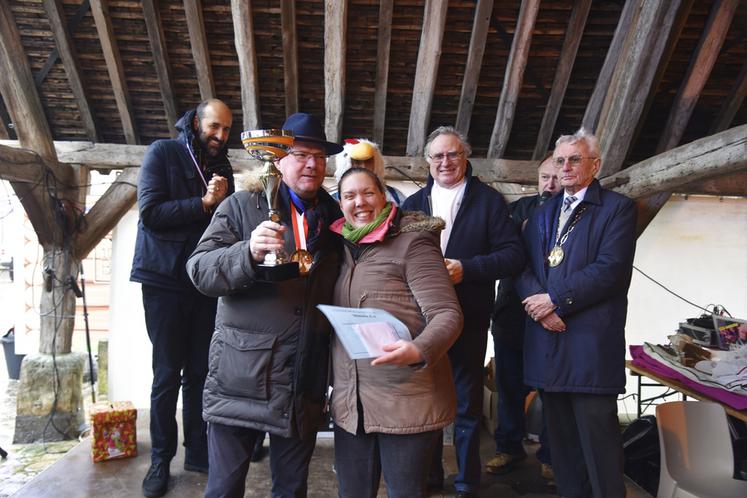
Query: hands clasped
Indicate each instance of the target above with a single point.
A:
(540, 308)
(267, 237)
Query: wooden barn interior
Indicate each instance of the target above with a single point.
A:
(88, 84)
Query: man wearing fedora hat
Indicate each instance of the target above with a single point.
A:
(269, 354)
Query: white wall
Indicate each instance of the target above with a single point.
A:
(696, 246)
(130, 373)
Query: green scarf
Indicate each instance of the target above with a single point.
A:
(353, 234)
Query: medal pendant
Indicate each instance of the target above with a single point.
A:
(556, 256)
(304, 260)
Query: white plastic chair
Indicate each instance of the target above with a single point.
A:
(697, 460)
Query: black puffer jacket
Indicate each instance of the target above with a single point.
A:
(268, 360)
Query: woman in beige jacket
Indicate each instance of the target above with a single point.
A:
(388, 412)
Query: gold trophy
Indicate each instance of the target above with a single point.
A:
(268, 146)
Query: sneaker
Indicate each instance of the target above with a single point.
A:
(547, 472)
(502, 463)
(156, 481)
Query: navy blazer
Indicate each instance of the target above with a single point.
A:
(590, 288)
(484, 240)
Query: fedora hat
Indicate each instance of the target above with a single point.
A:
(307, 128)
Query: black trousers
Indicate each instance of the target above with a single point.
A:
(180, 326)
(230, 450)
(585, 444)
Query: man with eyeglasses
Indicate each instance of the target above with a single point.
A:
(580, 246)
(480, 245)
(269, 354)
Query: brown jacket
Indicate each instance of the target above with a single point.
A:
(404, 275)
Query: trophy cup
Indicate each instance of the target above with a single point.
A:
(268, 146)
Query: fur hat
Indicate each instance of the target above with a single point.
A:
(359, 149)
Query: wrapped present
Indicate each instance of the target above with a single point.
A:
(114, 430)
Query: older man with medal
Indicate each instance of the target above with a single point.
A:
(269, 353)
(580, 246)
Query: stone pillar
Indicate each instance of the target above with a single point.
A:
(42, 415)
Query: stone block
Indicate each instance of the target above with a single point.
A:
(49, 406)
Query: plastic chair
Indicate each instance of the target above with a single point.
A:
(697, 459)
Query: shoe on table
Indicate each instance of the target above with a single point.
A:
(502, 463)
(547, 472)
(156, 481)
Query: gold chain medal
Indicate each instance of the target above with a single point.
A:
(555, 257)
(300, 255)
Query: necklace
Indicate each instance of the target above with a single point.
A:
(557, 254)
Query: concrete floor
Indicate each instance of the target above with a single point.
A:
(75, 476)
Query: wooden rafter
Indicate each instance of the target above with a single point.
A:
(632, 81)
(161, 61)
(200, 51)
(72, 24)
(573, 35)
(335, 49)
(243, 28)
(382, 69)
(101, 17)
(480, 25)
(697, 75)
(118, 156)
(106, 213)
(594, 107)
(429, 53)
(712, 156)
(698, 72)
(66, 49)
(290, 55)
(517, 62)
(732, 103)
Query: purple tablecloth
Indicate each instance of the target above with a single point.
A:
(641, 359)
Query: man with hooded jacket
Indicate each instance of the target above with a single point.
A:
(181, 182)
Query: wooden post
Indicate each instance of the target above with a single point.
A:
(335, 48)
(243, 28)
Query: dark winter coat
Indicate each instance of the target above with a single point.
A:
(268, 360)
(484, 240)
(590, 288)
(172, 219)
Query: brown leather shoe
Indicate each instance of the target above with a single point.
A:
(503, 463)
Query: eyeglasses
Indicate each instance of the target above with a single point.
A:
(449, 156)
(303, 157)
(574, 161)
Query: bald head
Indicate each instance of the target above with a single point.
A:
(212, 124)
(547, 177)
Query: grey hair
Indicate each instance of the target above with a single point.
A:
(582, 135)
(448, 130)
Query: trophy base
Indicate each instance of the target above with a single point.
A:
(278, 272)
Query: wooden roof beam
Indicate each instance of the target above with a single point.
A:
(697, 75)
(709, 157)
(732, 103)
(517, 63)
(101, 17)
(161, 61)
(200, 50)
(573, 34)
(243, 29)
(66, 49)
(335, 49)
(480, 25)
(698, 72)
(429, 54)
(106, 213)
(290, 55)
(386, 9)
(120, 156)
(594, 106)
(654, 24)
